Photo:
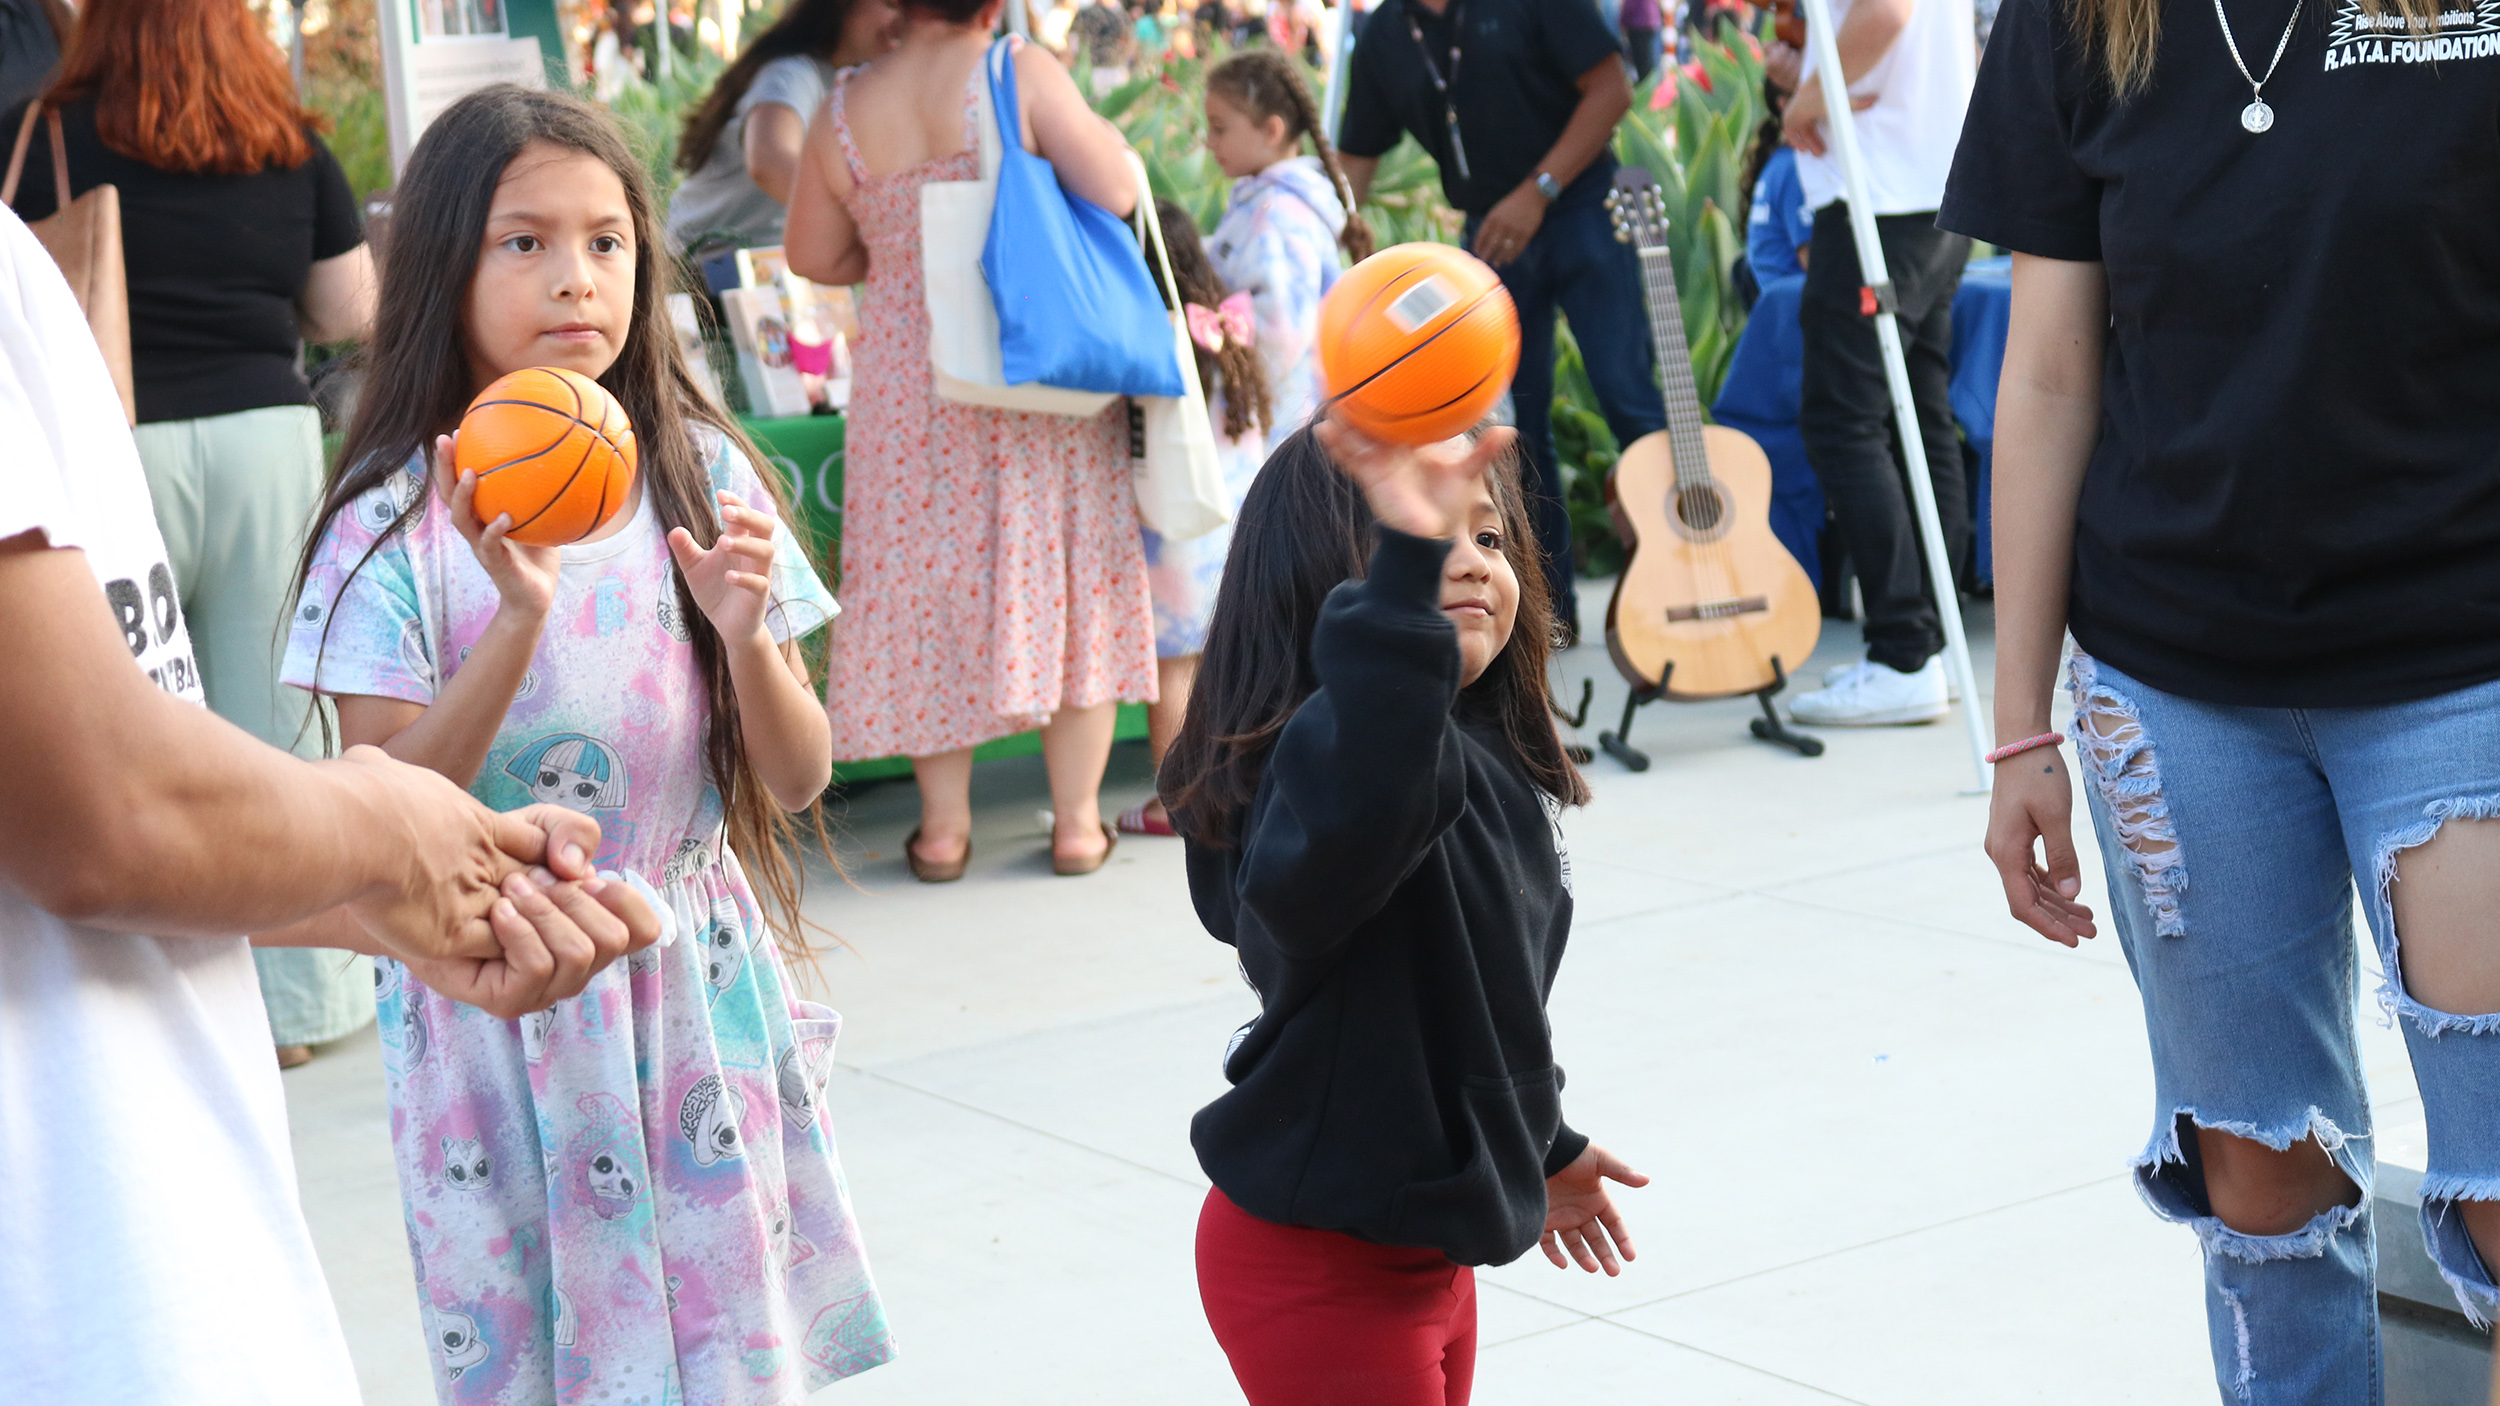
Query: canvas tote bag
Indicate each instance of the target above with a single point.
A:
(964, 359)
(84, 237)
(1179, 481)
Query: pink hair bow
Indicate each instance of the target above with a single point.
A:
(1228, 321)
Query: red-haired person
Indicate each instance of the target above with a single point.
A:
(241, 240)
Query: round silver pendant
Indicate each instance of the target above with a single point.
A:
(2257, 117)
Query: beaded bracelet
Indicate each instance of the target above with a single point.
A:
(2016, 749)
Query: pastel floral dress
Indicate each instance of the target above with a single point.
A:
(1278, 242)
(990, 558)
(631, 1199)
(1182, 576)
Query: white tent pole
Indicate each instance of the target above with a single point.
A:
(1341, 53)
(1841, 123)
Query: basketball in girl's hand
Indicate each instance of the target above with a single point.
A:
(1418, 342)
(552, 448)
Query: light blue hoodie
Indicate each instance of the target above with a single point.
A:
(1278, 242)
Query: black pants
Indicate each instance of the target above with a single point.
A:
(1846, 419)
(1575, 264)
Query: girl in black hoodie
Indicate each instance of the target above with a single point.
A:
(1370, 788)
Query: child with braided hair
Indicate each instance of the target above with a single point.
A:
(1288, 215)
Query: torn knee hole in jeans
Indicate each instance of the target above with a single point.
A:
(2110, 738)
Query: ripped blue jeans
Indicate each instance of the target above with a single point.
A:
(2232, 838)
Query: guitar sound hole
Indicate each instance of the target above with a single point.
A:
(1699, 507)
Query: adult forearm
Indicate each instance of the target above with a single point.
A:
(1359, 171)
(2048, 421)
(781, 721)
(1868, 33)
(1604, 99)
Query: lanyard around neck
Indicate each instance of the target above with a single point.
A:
(1441, 85)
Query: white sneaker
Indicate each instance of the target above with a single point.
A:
(1837, 672)
(1868, 694)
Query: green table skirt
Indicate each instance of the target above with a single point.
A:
(809, 450)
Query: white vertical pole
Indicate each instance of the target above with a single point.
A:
(666, 59)
(1840, 122)
(399, 79)
(1019, 22)
(1341, 53)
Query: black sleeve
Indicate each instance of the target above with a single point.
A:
(1368, 128)
(1370, 769)
(1575, 36)
(34, 200)
(1569, 1143)
(2015, 182)
(337, 227)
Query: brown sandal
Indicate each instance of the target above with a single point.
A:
(929, 873)
(1074, 868)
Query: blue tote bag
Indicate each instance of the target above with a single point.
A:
(1076, 307)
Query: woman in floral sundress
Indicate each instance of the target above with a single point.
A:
(991, 571)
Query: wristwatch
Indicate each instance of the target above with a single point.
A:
(1548, 187)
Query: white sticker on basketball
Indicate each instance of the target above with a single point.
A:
(1422, 303)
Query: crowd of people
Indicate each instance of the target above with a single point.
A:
(560, 852)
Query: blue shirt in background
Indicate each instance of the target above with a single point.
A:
(1780, 224)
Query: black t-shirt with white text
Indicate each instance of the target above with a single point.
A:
(215, 264)
(2295, 498)
(1519, 66)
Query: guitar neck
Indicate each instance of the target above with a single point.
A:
(1675, 365)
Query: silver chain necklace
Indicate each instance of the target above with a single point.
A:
(2257, 117)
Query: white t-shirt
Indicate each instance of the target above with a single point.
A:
(1907, 138)
(151, 1246)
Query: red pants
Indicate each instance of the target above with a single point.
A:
(1315, 1318)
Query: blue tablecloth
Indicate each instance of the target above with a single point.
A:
(1761, 394)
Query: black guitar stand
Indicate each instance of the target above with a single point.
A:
(1768, 727)
(1580, 755)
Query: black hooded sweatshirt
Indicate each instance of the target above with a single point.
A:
(1400, 899)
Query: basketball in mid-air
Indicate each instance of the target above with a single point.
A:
(550, 447)
(1418, 342)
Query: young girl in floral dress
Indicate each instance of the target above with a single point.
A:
(632, 1197)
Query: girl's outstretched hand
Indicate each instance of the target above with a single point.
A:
(2030, 819)
(1422, 490)
(730, 583)
(1581, 1217)
(524, 576)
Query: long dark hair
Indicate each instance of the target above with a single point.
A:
(1247, 402)
(1303, 529)
(1264, 83)
(421, 384)
(811, 27)
(1767, 140)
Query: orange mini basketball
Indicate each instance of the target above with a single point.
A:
(1418, 342)
(550, 447)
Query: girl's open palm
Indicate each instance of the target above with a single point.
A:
(1422, 490)
(1581, 1217)
(731, 581)
(524, 576)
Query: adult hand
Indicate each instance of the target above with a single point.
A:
(2033, 801)
(1422, 490)
(555, 935)
(1509, 225)
(1581, 1217)
(729, 583)
(455, 857)
(524, 576)
(1802, 123)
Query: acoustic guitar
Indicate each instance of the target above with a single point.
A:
(1709, 605)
